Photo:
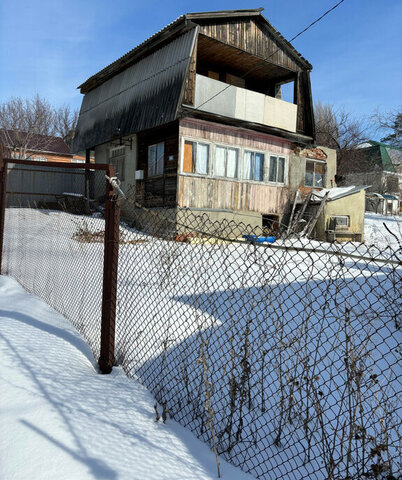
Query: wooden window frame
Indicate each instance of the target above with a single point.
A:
(226, 147)
(285, 163)
(249, 150)
(154, 172)
(313, 184)
(118, 160)
(194, 163)
(241, 151)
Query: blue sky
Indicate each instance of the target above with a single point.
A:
(50, 47)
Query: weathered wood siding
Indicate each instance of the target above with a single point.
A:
(189, 89)
(257, 39)
(252, 36)
(207, 192)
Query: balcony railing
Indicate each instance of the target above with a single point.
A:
(236, 102)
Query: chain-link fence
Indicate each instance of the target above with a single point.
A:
(53, 244)
(283, 357)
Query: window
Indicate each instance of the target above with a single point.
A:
(196, 158)
(339, 222)
(156, 156)
(225, 162)
(117, 159)
(253, 166)
(276, 169)
(315, 174)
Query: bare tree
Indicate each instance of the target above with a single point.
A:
(336, 128)
(29, 125)
(65, 122)
(390, 123)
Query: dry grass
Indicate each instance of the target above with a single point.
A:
(84, 235)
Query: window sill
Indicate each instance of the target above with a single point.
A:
(237, 180)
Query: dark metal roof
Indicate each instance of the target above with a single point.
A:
(174, 28)
(143, 95)
(142, 89)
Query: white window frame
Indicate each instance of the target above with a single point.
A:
(285, 164)
(315, 162)
(347, 217)
(254, 151)
(226, 147)
(117, 158)
(240, 162)
(159, 162)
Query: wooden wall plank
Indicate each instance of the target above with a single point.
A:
(250, 36)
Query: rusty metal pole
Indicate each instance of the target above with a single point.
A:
(87, 177)
(111, 254)
(3, 189)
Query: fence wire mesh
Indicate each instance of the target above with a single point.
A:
(283, 357)
(53, 240)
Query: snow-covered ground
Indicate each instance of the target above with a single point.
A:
(176, 301)
(61, 419)
(375, 233)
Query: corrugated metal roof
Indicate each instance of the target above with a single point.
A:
(143, 95)
(337, 192)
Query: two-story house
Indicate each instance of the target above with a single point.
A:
(214, 112)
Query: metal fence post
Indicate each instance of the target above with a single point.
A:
(87, 177)
(111, 254)
(3, 189)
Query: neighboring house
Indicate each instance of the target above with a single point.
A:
(375, 164)
(25, 185)
(32, 146)
(214, 113)
(385, 204)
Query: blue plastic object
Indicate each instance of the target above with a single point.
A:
(255, 239)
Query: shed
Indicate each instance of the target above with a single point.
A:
(342, 218)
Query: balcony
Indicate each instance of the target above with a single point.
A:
(236, 102)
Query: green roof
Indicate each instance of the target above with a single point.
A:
(386, 161)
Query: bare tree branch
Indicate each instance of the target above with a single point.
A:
(29, 125)
(390, 123)
(335, 128)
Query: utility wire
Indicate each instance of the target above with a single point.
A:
(273, 53)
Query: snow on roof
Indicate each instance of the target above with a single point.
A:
(337, 192)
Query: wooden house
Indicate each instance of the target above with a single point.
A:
(194, 117)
